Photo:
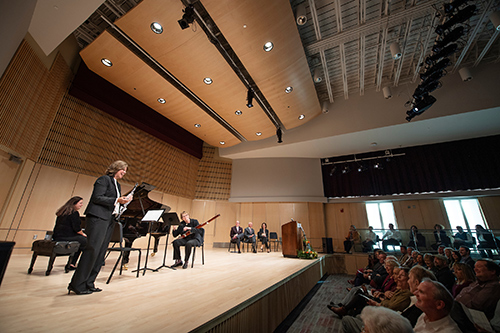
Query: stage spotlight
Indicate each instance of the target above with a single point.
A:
(346, 169)
(423, 90)
(279, 134)
(395, 51)
(440, 66)
(448, 38)
(459, 17)
(300, 14)
(250, 98)
(378, 165)
(420, 106)
(450, 49)
(449, 7)
(187, 18)
(362, 167)
(333, 170)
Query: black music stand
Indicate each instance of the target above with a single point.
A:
(169, 219)
(151, 216)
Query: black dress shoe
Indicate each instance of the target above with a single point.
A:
(95, 290)
(177, 264)
(185, 265)
(78, 292)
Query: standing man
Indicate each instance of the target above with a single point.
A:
(193, 238)
(236, 235)
(250, 236)
(103, 206)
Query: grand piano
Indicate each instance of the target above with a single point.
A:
(133, 228)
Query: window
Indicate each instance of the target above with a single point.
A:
(380, 215)
(465, 213)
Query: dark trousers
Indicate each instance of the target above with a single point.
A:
(390, 241)
(78, 238)
(264, 241)
(99, 233)
(237, 240)
(188, 243)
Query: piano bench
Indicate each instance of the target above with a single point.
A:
(53, 249)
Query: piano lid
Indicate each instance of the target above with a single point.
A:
(141, 202)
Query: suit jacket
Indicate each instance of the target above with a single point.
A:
(236, 231)
(262, 231)
(249, 232)
(195, 233)
(102, 201)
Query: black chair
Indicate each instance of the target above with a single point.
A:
(273, 239)
(117, 239)
(50, 248)
(202, 245)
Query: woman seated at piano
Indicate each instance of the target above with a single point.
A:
(264, 236)
(68, 227)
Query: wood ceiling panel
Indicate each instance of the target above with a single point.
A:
(286, 65)
(133, 76)
(190, 57)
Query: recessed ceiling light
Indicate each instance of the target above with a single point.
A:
(268, 46)
(288, 90)
(301, 117)
(156, 27)
(161, 100)
(106, 62)
(222, 142)
(258, 133)
(197, 125)
(238, 112)
(207, 80)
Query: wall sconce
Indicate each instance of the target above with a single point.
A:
(465, 74)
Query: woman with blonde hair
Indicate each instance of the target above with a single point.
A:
(465, 276)
(352, 237)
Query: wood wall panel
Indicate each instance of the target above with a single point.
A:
(9, 171)
(83, 187)
(273, 218)
(491, 211)
(316, 225)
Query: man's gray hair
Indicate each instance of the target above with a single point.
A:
(440, 293)
(383, 320)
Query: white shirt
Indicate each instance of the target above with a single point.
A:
(443, 325)
(393, 234)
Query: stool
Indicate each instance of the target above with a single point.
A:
(53, 249)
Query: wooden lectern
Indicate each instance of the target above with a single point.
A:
(291, 239)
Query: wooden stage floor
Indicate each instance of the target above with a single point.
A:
(166, 301)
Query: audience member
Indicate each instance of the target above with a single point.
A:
(464, 252)
(366, 275)
(429, 262)
(443, 272)
(420, 260)
(441, 249)
(264, 237)
(440, 237)
(351, 238)
(415, 276)
(436, 303)
(409, 261)
(486, 242)
(371, 239)
(416, 238)
(237, 235)
(448, 252)
(404, 254)
(383, 320)
(465, 276)
(484, 293)
(250, 236)
(462, 238)
(391, 237)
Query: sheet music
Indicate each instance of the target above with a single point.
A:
(153, 215)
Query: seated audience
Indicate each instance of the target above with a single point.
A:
(391, 237)
(465, 276)
(377, 269)
(486, 242)
(264, 237)
(429, 262)
(484, 293)
(416, 238)
(441, 249)
(440, 237)
(68, 227)
(383, 320)
(443, 272)
(409, 261)
(351, 238)
(448, 254)
(250, 237)
(436, 303)
(404, 254)
(462, 238)
(495, 322)
(237, 235)
(371, 239)
(465, 257)
(415, 276)
(420, 260)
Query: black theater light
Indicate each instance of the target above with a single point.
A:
(452, 36)
(279, 134)
(250, 98)
(450, 49)
(440, 66)
(187, 18)
(459, 17)
(450, 7)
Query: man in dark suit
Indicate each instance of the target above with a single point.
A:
(187, 225)
(103, 206)
(250, 236)
(237, 235)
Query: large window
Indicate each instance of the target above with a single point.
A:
(380, 215)
(465, 213)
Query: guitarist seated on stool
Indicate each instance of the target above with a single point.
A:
(193, 238)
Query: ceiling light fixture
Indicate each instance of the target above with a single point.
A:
(207, 80)
(465, 74)
(187, 18)
(495, 19)
(222, 142)
(387, 92)
(258, 133)
(238, 112)
(346, 169)
(161, 100)
(279, 134)
(317, 75)
(395, 51)
(249, 98)
(106, 62)
(300, 14)
(156, 28)
(288, 90)
(268, 46)
(301, 117)
(197, 125)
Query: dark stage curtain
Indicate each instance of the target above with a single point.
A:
(453, 166)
